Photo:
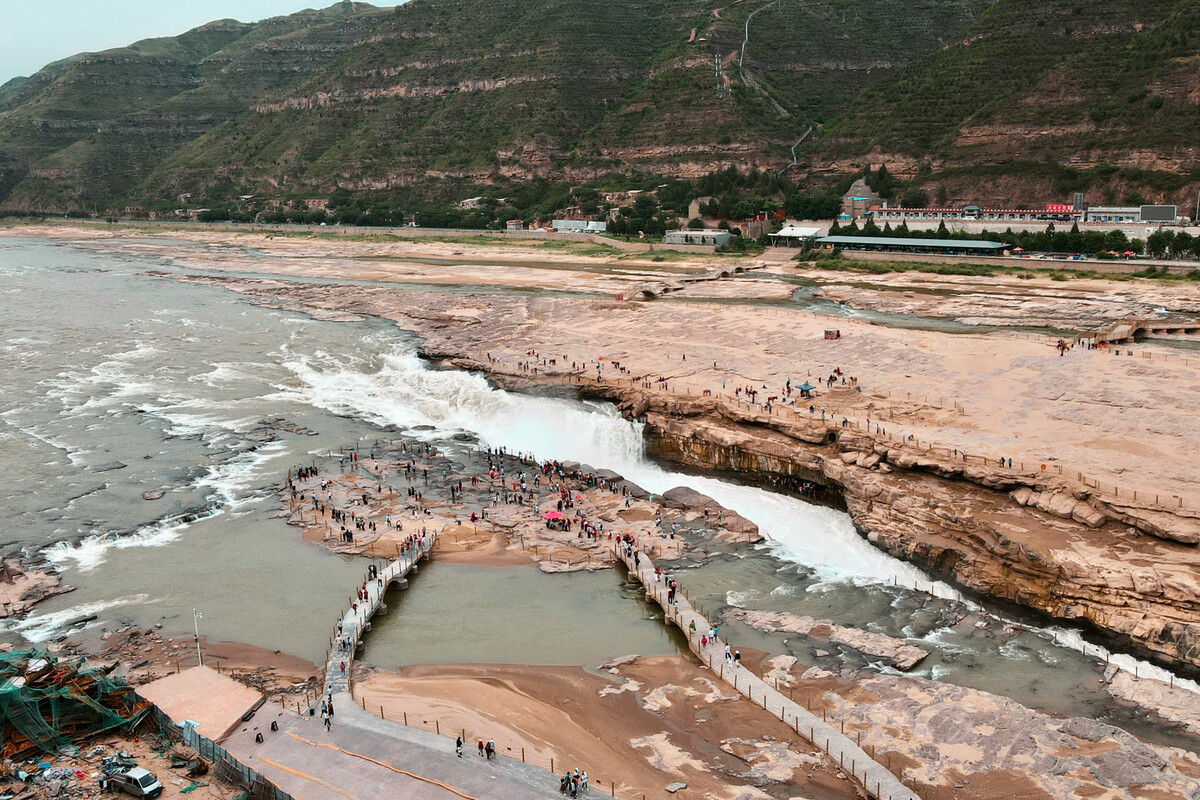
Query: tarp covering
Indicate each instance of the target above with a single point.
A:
(47, 702)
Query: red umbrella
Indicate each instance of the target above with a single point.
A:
(552, 515)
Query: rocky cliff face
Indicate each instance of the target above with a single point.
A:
(1128, 573)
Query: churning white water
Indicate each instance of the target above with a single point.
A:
(398, 388)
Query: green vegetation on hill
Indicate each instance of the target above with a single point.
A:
(1107, 87)
(82, 132)
(388, 111)
(439, 97)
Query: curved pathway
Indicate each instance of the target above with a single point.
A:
(870, 774)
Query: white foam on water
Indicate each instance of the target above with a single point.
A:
(397, 388)
(90, 552)
(1073, 639)
(230, 483)
(229, 488)
(40, 627)
(1013, 651)
(121, 377)
(38, 433)
(739, 599)
(222, 374)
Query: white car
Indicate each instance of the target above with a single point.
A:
(137, 782)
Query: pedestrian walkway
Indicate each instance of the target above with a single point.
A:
(362, 756)
(876, 779)
(357, 618)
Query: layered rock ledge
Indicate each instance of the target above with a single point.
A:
(896, 652)
(1046, 539)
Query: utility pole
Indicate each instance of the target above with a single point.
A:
(196, 616)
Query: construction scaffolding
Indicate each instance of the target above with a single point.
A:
(47, 703)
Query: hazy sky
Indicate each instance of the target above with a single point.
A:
(35, 32)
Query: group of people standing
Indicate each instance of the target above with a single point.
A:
(573, 783)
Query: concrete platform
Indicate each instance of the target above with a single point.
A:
(364, 757)
(203, 695)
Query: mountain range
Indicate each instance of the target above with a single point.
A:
(982, 100)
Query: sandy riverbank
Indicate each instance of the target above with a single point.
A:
(651, 722)
(447, 261)
(1079, 304)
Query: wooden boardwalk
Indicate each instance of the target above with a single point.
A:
(872, 776)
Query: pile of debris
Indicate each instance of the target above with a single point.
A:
(88, 774)
(48, 703)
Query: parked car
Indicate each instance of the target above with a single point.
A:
(137, 782)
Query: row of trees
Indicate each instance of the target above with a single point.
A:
(1049, 240)
(1173, 244)
(735, 194)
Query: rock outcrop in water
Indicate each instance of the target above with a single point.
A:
(1126, 569)
(961, 523)
(691, 500)
(898, 653)
(22, 588)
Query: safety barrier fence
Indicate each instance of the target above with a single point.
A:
(875, 778)
(225, 766)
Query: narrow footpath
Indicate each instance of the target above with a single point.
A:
(876, 779)
(357, 618)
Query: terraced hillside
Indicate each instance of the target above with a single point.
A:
(1042, 98)
(443, 95)
(85, 130)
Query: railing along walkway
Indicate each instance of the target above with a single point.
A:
(357, 617)
(876, 779)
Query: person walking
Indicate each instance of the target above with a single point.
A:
(458, 744)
